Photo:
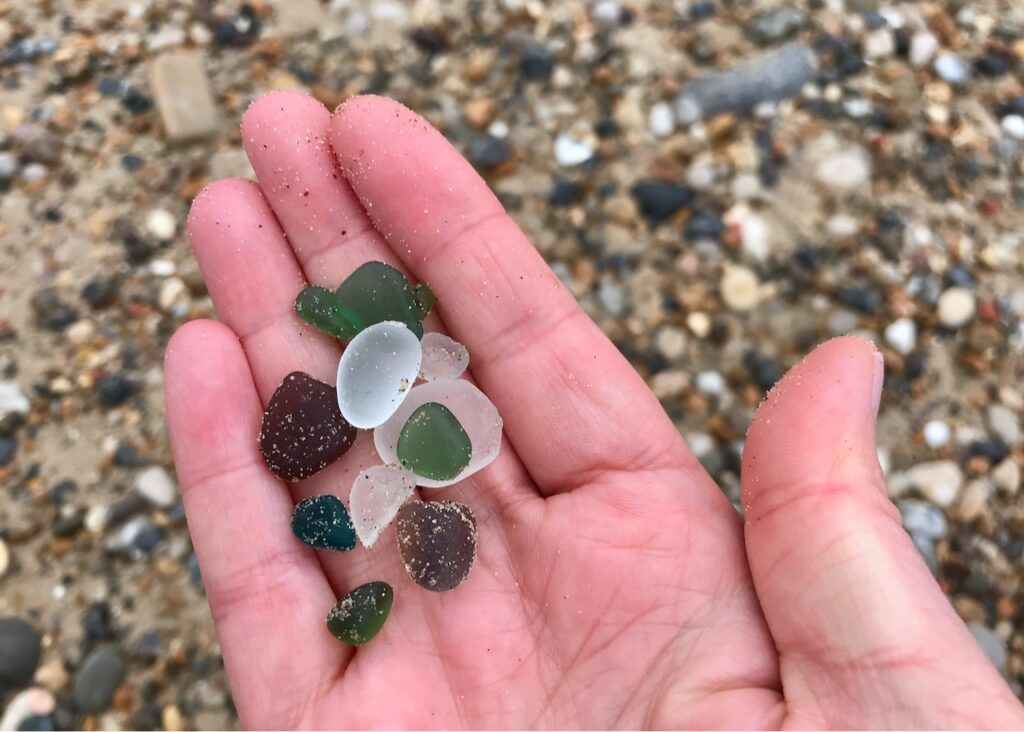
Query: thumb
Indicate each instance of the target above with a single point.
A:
(864, 634)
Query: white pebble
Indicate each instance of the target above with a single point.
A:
(956, 307)
(34, 702)
(661, 120)
(952, 69)
(161, 224)
(740, 288)
(701, 444)
(699, 324)
(570, 152)
(162, 267)
(923, 46)
(376, 496)
(939, 481)
(936, 434)
(376, 373)
(5, 558)
(475, 412)
(173, 292)
(670, 342)
(443, 357)
(710, 382)
(844, 169)
(156, 486)
(12, 400)
(879, 43)
(1004, 424)
(901, 334)
(1007, 476)
(96, 519)
(1013, 125)
(81, 332)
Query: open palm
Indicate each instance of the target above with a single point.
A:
(613, 586)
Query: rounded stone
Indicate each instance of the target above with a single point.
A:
(376, 373)
(437, 541)
(471, 407)
(360, 614)
(20, 648)
(956, 307)
(97, 679)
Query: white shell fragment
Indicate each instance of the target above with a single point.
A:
(475, 412)
(377, 494)
(376, 373)
(443, 357)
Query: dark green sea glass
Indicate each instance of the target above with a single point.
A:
(425, 300)
(323, 523)
(433, 444)
(321, 308)
(377, 292)
(360, 614)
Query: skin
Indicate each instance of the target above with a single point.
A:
(615, 585)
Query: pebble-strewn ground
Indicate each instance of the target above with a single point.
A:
(884, 198)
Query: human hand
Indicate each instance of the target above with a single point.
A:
(616, 586)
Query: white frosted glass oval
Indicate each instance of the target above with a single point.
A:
(443, 357)
(475, 412)
(377, 494)
(376, 373)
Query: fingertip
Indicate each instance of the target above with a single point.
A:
(216, 199)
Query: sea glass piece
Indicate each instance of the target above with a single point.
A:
(433, 444)
(377, 292)
(376, 373)
(303, 430)
(443, 357)
(425, 300)
(437, 541)
(321, 308)
(377, 494)
(360, 614)
(323, 523)
(471, 407)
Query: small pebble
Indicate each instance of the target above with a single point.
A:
(1003, 424)
(161, 224)
(922, 519)
(97, 679)
(1013, 125)
(923, 46)
(901, 334)
(660, 200)
(1006, 476)
(156, 486)
(710, 382)
(740, 287)
(936, 434)
(952, 69)
(956, 307)
(12, 400)
(5, 558)
(662, 120)
(570, 152)
(20, 649)
(437, 541)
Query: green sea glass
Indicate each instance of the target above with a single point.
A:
(321, 308)
(360, 614)
(323, 523)
(433, 444)
(377, 292)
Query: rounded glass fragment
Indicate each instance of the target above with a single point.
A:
(443, 358)
(376, 373)
(471, 407)
(377, 494)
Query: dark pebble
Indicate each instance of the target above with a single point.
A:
(8, 447)
(430, 40)
(775, 25)
(959, 276)
(659, 199)
(97, 622)
(487, 151)
(132, 163)
(111, 87)
(60, 492)
(100, 292)
(322, 522)
(537, 62)
(303, 431)
(606, 128)
(20, 648)
(703, 226)
(126, 456)
(149, 646)
(993, 451)
(68, 526)
(994, 63)
(437, 541)
(114, 389)
(124, 508)
(97, 679)
(194, 574)
(136, 102)
(702, 11)
(1014, 105)
(860, 299)
(241, 30)
(149, 538)
(37, 723)
(764, 370)
(51, 311)
(564, 193)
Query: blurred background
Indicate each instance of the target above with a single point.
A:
(859, 170)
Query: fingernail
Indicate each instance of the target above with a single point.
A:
(877, 381)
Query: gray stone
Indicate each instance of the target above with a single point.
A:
(776, 25)
(770, 77)
(1006, 476)
(953, 69)
(939, 481)
(12, 400)
(923, 520)
(97, 679)
(183, 96)
(20, 648)
(994, 648)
